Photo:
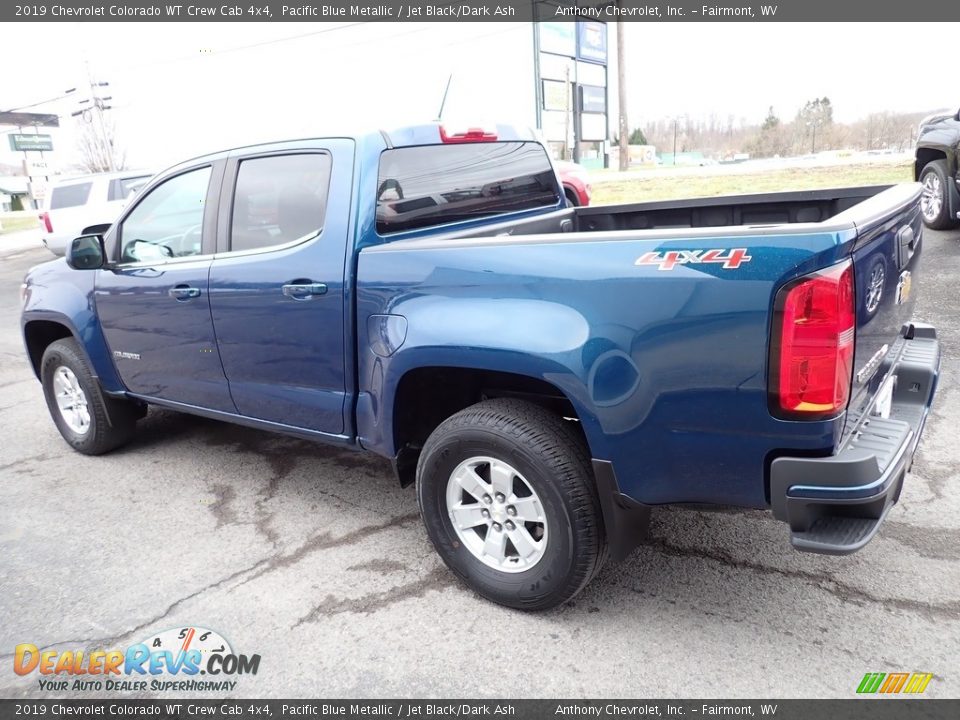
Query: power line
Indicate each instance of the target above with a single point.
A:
(42, 102)
(238, 48)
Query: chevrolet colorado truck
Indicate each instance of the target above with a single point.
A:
(543, 374)
(935, 166)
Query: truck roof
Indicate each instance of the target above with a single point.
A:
(431, 133)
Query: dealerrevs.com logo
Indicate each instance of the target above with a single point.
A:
(171, 660)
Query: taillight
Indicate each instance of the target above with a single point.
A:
(45, 219)
(812, 349)
(467, 136)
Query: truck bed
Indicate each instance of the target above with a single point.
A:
(764, 210)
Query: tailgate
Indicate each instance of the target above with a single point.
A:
(886, 275)
(835, 504)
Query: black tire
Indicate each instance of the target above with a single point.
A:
(111, 422)
(553, 460)
(935, 181)
(572, 199)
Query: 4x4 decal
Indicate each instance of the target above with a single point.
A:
(730, 259)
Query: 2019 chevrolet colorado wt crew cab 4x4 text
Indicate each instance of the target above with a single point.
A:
(544, 374)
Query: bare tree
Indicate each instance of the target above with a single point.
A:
(99, 149)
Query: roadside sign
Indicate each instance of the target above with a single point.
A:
(593, 99)
(38, 168)
(29, 142)
(38, 189)
(592, 41)
(22, 119)
(557, 95)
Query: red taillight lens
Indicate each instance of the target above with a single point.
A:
(45, 219)
(812, 357)
(469, 136)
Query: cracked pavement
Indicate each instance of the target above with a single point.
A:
(315, 559)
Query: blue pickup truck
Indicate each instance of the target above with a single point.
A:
(544, 374)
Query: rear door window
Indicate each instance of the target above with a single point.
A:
(68, 196)
(436, 184)
(279, 199)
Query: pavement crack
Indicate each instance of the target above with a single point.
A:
(106, 642)
(23, 461)
(839, 589)
(437, 579)
(934, 543)
(324, 541)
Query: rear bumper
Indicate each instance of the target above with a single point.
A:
(835, 504)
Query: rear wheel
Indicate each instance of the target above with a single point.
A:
(507, 495)
(91, 422)
(934, 202)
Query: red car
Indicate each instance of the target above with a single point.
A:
(576, 185)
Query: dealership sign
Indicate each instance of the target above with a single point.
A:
(30, 142)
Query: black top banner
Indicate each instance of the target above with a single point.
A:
(507, 10)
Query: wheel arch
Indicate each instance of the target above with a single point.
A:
(427, 395)
(40, 329)
(927, 155)
(38, 335)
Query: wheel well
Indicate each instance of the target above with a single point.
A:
(38, 335)
(572, 196)
(428, 396)
(924, 157)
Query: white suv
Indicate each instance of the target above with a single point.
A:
(76, 203)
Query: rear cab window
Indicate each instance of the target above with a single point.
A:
(122, 188)
(68, 196)
(431, 185)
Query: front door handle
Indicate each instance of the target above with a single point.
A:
(183, 292)
(304, 290)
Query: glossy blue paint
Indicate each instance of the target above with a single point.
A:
(667, 371)
(889, 244)
(284, 356)
(172, 342)
(57, 294)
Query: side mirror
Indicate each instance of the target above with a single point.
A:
(86, 253)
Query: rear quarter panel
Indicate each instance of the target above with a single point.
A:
(666, 369)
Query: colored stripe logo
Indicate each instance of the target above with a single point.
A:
(893, 683)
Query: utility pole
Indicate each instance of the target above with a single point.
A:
(97, 106)
(622, 95)
(676, 122)
(566, 114)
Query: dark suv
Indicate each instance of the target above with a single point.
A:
(938, 140)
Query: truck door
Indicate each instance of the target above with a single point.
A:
(152, 301)
(277, 282)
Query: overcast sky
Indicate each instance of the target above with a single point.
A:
(188, 88)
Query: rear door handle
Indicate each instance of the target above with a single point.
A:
(183, 292)
(304, 290)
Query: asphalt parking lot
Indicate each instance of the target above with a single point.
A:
(315, 559)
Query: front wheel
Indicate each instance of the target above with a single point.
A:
(935, 200)
(91, 422)
(507, 495)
